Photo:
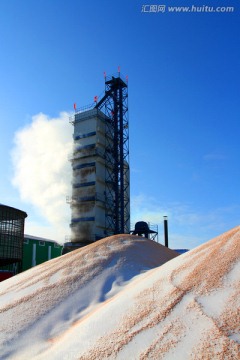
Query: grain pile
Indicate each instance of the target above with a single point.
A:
(187, 308)
(46, 300)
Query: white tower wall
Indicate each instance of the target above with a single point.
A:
(88, 201)
(88, 185)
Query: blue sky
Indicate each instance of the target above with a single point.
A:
(184, 110)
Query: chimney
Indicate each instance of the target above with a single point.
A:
(165, 230)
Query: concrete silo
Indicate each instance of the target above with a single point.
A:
(100, 201)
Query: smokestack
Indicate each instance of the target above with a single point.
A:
(165, 230)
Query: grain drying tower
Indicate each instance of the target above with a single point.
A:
(100, 201)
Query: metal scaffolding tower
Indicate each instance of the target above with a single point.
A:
(115, 106)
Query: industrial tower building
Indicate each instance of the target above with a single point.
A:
(100, 201)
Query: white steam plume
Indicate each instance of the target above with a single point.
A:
(42, 172)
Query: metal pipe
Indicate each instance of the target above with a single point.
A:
(165, 230)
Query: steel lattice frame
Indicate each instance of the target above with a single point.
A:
(115, 106)
(11, 237)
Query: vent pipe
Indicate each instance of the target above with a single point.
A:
(166, 230)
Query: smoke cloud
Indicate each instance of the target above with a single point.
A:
(42, 172)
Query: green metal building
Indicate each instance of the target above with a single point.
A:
(37, 250)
